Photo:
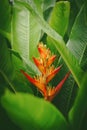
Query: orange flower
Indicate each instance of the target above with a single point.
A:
(48, 71)
(52, 92)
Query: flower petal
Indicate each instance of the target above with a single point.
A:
(59, 86)
(39, 65)
(50, 60)
(44, 52)
(52, 74)
(50, 94)
(54, 91)
(39, 85)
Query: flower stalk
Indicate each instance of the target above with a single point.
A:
(48, 71)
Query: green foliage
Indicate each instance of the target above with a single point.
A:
(5, 15)
(60, 16)
(6, 55)
(63, 27)
(25, 33)
(22, 111)
(79, 110)
(78, 41)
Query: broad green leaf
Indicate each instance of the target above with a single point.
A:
(79, 110)
(25, 32)
(80, 2)
(21, 84)
(59, 21)
(5, 122)
(30, 112)
(39, 5)
(21, 63)
(5, 21)
(78, 45)
(83, 60)
(5, 34)
(59, 17)
(5, 15)
(6, 64)
(48, 4)
(42, 5)
(6, 75)
(69, 59)
(19, 81)
(73, 13)
(65, 99)
(78, 38)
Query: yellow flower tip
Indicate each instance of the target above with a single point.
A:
(44, 51)
(40, 65)
(50, 94)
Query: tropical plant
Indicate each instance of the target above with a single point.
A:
(59, 30)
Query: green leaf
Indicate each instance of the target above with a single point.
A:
(5, 34)
(69, 59)
(64, 100)
(59, 17)
(80, 2)
(48, 4)
(78, 38)
(79, 110)
(19, 81)
(5, 122)
(59, 21)
(21, 84)
(5, 15)
(73, 13)
(78, 46)
(6, 64)
(5, 21)
(21, 63)
(25, 32)
(83, 61)
(30, 112)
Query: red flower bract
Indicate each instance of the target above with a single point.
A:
(48, 71)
